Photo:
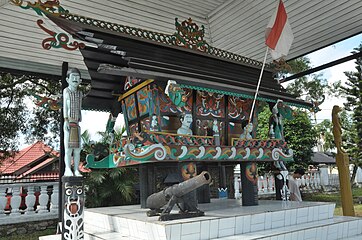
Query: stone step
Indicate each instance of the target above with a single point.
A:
(329, 229)
(222, 218)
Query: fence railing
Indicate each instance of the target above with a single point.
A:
(28, 199)
(311, 181)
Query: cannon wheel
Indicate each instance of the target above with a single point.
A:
(153, 212)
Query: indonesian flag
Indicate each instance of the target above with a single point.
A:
(279, 35)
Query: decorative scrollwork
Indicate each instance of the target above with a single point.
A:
(42, 8)
(58, 40)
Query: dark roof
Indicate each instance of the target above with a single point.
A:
(117, 55)
(320, 157)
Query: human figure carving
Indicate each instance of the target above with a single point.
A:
(337, 129)
(154, 123)
(186, 121)
(72, 105)
(215, 129)
(279, 112)
(247, 133)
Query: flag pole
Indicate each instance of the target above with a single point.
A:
(257, 88)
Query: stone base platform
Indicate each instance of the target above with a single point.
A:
(225, 219)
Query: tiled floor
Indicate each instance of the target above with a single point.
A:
(224, 217)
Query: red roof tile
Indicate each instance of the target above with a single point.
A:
(39, 166)
(25, 157)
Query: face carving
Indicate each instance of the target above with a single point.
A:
(73, 198)
(74, 80)
(187, 119)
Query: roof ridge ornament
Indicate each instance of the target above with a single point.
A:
(189, 35)
(168, 39)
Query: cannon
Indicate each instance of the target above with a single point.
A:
(161, 203)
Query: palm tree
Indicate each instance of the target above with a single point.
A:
(108, 187)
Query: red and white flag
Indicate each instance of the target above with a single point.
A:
(279, 35)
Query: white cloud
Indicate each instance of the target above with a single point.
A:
(96, 122)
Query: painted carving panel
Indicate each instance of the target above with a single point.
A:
(166, 105)
(143, 101)
(133, 128)
(210, 104)
(239, 109)
(145, 124)
(131, 107)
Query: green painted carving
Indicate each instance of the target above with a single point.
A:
(106, 162)
(48, 103)
(42, 8)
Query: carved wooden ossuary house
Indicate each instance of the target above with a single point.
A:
(185, 103)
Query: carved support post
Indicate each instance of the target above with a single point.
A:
(30, 201)
(15, 201)
(249, 182)
(73, 203)
(285, 194)
(143, 175)
(54, 199)
(43, 200)
(342, 161)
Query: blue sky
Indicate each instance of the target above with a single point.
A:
(333, 74)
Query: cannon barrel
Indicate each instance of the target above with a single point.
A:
(159, 199)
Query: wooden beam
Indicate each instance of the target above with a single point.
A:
(324, 66)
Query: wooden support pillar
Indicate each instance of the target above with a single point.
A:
(203, 193)
(73, 208)
(342, 161)
(223, 191)
(249, 183)
(62, 151)
(345, 184)
(147, 182)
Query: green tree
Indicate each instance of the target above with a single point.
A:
(110, 187)
(299, 134)
(18, 119)
(301, 137)
(353, 93)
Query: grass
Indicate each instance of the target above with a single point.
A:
(30, 236)
(336, 198)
